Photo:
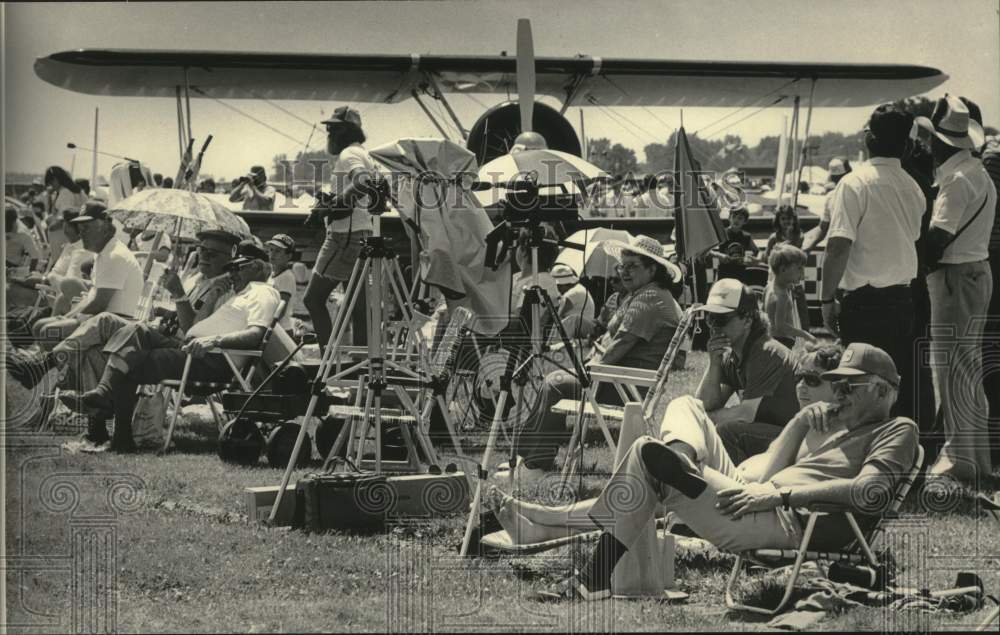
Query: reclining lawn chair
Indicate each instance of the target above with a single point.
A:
(240, 362)
(857, 552)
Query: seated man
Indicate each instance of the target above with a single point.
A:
(575, 307)
(827, 454)
(743, 357)
(80, 357)
(66, 276)
(138, 354)
(117, 278)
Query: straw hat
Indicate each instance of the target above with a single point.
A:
(950, 122)
(644, 246)
(563, 274)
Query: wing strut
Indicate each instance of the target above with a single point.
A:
(439, 95)
(423, 106)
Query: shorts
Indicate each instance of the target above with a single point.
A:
(336, 258)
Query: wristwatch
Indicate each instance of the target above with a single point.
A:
(829, 301)
(786, 498)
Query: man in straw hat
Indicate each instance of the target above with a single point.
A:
(842, 443)
(638, 335)
(960, 286)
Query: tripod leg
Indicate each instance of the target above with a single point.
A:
(449, 422)
(365, 425)
(420, 430)
(482, 475)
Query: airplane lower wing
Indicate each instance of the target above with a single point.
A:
(581, 81)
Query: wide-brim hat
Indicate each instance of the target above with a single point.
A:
(644, 246)
(950, 122)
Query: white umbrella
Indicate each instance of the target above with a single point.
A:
(594, 260)
(549, 167)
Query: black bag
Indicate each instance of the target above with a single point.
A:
(934, 252)
(345, 500)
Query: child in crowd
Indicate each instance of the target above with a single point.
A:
(739, 244)
(786, 230)
(787, 263)
(280, 249)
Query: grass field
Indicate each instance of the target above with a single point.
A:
(144, 543)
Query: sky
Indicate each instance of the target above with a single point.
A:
(39, 119)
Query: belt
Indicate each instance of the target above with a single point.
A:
(955, 264)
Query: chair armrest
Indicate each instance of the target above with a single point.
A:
(829, 508)
(241, 352)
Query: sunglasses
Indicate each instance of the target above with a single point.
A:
(719, 320)
(810, 379)
(208, 252)
(846, 387)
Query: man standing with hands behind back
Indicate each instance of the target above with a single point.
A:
(871, 256)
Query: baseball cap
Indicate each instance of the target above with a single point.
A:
(218, 234)
(91, 210)
(864, 359)
(282, 241)
(344, 114)
(728, 295)
(563, 274)
(247, 251)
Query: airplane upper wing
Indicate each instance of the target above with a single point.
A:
(582, 80)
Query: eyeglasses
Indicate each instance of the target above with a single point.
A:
(846, 387)
(208, 252)
(810, 379)
(719, 320)
(627, 268)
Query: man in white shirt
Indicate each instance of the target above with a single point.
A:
(575, 306)
(280, 249)
(871, 255)
(139, 355)
(960, 287)
(117, 277)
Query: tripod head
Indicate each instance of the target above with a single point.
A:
(525, 208)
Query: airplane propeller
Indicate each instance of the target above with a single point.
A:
(525, 73)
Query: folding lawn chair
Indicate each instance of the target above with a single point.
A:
(857, 552)
(240, 362)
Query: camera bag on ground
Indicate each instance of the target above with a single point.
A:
(343, 500)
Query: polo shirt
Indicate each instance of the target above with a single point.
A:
(207, 294)
(878, 208)
(353, 157)
(253, 306)
(764, 369)
(964, 187)
(991, 161)
(116, 268)
(651, 314)
(890, 446)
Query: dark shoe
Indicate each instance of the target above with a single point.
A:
(27, 370)
(91, 402)
(97, 432)
(673, 469)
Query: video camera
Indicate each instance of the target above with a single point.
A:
(340, 206)
(525, 207)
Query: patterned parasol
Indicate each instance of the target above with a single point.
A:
(179, 213)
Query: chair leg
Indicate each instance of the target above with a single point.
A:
(865, 547)
(177, 403)
(220, 421)
(789, 587)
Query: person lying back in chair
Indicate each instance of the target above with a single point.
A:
(139, 354)
(846, 452)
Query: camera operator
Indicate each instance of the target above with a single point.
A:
(346, 215)
(254, 191)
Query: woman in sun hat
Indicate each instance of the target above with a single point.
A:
(638, 335)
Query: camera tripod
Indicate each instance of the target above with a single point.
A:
(375, 266)
(516, 369)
